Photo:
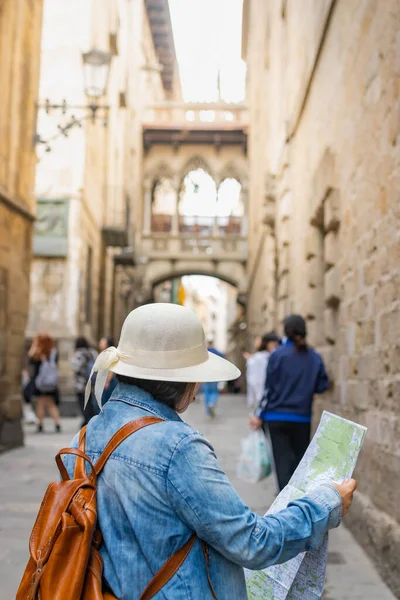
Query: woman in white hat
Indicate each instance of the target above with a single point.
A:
(162, 493)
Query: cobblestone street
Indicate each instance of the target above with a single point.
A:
(24, 474)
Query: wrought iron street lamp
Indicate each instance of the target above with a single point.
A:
(96, 67)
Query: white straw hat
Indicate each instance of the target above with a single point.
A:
(162, 342)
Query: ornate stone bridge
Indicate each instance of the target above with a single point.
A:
(181, 143)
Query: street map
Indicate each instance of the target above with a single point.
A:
(331, 456)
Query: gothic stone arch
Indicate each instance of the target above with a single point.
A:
(232, 272)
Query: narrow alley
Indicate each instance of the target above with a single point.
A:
(25, 473)
(237, 160)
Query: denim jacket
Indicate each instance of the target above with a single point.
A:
(162, 484)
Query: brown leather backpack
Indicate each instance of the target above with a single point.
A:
(65, 562)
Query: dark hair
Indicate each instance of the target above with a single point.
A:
(109, 340)
(81, 342)
(167, 392)
(266, 339)
(296, 331)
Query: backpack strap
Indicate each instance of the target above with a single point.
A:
(120, 436)
(206, 553)
(80, 470)
(76, 452)
(53, 356)
(173, 564)
(115, 441)
(168, 570)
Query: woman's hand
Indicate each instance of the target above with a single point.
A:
(255, 423)
(346, 490)
(33, 349)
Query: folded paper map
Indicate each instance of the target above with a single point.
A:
(331, 456)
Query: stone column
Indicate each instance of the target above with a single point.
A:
(215, 231)
(147, 208)
(215, 227)
(175, 216)
(245, 219)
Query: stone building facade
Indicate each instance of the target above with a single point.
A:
(20, 28)
(324, 205)
(90, 183)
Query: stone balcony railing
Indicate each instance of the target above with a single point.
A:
(185, 246)
(198, 226)
(220, 114)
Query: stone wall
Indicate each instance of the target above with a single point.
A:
(261, 261)
(15, 254)
(20, 27)
(333, 152)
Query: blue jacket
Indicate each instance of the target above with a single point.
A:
(293, 377)
(164, 483)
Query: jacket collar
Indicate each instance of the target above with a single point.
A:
(130, 394)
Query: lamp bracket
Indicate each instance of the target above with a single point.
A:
(93, 110)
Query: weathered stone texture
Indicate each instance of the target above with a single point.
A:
(343, 172)
(15, 255)
(20, 27)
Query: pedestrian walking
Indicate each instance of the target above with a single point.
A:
(256, 367)
(295, 374)
(162, 496)
(43, 359)
(211, 389)
(82, 363)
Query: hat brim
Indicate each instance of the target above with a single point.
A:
(215, 368)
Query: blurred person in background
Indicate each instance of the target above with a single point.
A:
(256, 367)
(27, 385)
(43, 359)
(295, 373)
(82, 363)
(211, 390)
(111, 382)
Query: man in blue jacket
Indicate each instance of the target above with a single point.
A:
(211, 390)
(295, 374)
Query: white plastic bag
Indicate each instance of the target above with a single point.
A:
(255, 461)
(29, 416)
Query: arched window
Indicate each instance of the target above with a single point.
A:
(163, 205)
(197, 203)
(230, 209)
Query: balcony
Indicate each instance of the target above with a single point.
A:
(216, 226)
(196, 237)
(161, 223)
(198, 226)
(199, 114)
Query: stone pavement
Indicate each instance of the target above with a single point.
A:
(25, 473)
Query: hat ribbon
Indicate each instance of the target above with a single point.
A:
(103, 363)
(167, 359)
